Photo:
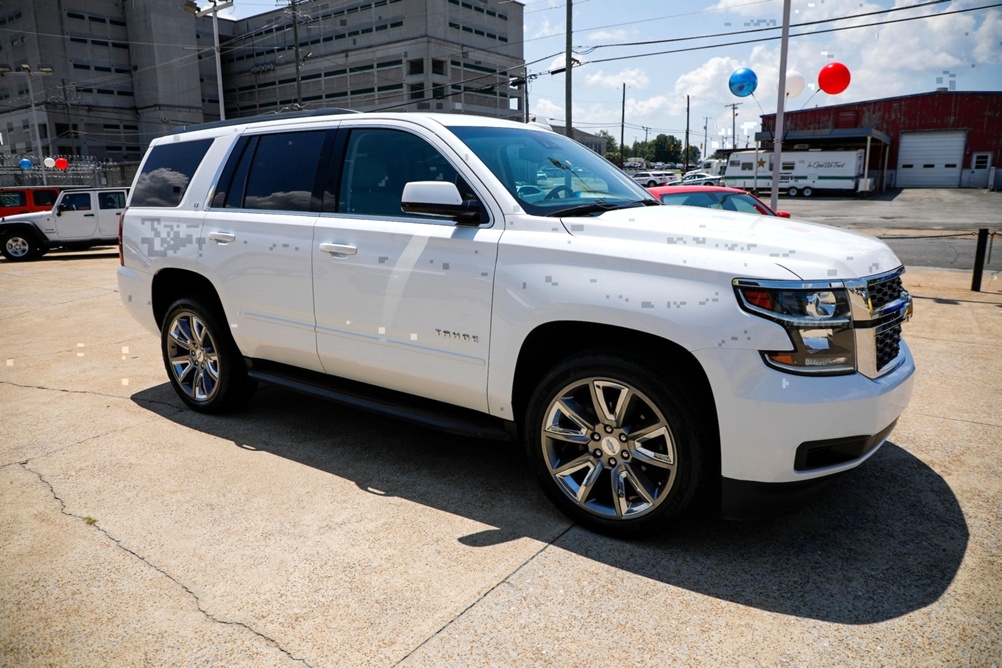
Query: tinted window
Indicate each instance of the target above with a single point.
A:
(46, 197)
(283, 170)
(167, 173)
(13, 198)
(76, 202)
(379, 162)
(111, 200)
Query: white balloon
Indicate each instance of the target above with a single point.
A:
(49, 162)
(794, 83)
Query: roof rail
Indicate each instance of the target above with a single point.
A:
(332, 111)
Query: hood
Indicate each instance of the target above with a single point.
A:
(31, 217)
(808, 250)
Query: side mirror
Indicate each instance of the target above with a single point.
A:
(439, 198)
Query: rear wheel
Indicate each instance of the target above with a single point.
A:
(808, 192)
(203, 363)
(19, 246)
(792, 192)
(614, 444)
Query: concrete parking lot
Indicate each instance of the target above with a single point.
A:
(298, 533)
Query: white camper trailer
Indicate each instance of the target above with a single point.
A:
(801, 172)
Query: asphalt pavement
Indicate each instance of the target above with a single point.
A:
(298, 533)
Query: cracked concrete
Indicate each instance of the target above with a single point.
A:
(296, 533)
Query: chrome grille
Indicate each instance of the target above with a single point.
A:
(888, 345)
(883, 291)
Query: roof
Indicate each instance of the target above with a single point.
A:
(833, 134)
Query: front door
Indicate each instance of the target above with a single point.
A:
(400, 298)
(76, 216)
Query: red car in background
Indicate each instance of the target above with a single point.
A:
(27, 199)
(715, 197)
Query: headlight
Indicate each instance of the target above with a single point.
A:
(817, 316)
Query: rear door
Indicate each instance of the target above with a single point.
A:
(258, 243)
(109, 208)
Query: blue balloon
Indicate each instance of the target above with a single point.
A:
(743, 82)
(24, 164)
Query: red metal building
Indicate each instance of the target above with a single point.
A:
(942, 139)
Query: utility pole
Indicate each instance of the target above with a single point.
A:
(706, 137)
(777, 133)
(568, 63)
(685, 159)
(622, 131)
(734, 122)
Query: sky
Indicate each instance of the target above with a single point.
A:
(952, 44)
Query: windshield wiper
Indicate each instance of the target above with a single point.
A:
(601, 207)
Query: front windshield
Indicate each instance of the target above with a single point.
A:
(552, 175)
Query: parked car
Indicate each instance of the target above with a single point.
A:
(79, 219)
(715, 197)
(651, 179)
(700, 179)
(649, 358)
(14, 201)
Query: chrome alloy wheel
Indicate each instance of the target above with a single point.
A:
(609, 448)
(193, 356)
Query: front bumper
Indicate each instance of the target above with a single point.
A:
(779, 428)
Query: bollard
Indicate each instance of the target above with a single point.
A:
(979, 259)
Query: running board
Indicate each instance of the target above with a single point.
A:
(399, 405)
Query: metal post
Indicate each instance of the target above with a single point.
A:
(38, 137)
(568, 63)
(219, 61)
(979, 259)
(777, 135)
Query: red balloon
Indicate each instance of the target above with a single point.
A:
(62, 163)
(833, 78)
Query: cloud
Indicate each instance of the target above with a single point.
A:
(607, 35)
(633, 77)
(546, 29)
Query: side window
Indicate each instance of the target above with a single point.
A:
(167, 172)
(13, 198)
(111, 200)
(76, 202)
(283, 170)
(377, 164)
(46, 197)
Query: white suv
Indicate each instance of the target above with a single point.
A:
(646, 356)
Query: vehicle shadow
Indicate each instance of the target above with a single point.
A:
(883, 541)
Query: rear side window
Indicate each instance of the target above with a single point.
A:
(167, 173)
(111, 200)
(13, 198)
(273, 172)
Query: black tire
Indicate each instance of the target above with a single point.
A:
(792, 192)
(20, 246)
(651, 184)
(203, 363)
(807, 191)
(614, 444)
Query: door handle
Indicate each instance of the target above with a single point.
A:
(88, 215)
(222, 237)
(338, 250)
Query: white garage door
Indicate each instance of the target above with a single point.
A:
(931, 159)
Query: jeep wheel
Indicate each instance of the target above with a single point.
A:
(614, 445)
(18, 246)
(203, 363)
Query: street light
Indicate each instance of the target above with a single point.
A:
(25, 69)
(192, 8)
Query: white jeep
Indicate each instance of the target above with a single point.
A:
(80, 218)
(648, 357)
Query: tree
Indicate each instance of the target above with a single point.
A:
(611, 147)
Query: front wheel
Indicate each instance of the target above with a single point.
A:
(18, 246)
(203, 363)
(614, 444)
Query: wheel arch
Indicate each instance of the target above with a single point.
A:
(169, 285)
(538, 355)
(24, 228)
